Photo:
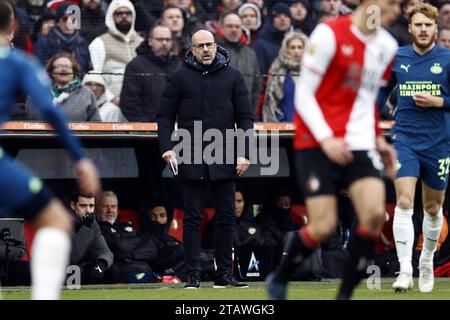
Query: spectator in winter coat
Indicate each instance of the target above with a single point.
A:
(92, 19)
(64, 37)
(113, 50)
(146, 75)
(77, 101)
(175, 18)
(279, 99)
(269, 39)
(108, 111)
(302, 19)
(252, 21)
(231, 37)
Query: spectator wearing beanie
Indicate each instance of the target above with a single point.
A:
(301, 16)
(269, 40)
(64, 37)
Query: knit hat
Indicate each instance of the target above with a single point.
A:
(94, 78)
(62, 10)
(280, 8)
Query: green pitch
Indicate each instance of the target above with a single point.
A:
(322, 290)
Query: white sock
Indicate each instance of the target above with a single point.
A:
(49, 259)
(403, 230)
(431, 228)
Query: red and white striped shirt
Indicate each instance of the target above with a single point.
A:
(342, 71)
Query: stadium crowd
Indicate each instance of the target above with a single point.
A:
(111, 64)
(122, 51)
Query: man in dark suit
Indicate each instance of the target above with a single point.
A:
(206, 91)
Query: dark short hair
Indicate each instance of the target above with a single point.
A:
(225, 14)
(75, 65)
(442, 28)
(171, 6)
(150, 33)
(5, 16)
(76, 194)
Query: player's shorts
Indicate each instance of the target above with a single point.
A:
(431, 165)
(318, 175)
(22, 194)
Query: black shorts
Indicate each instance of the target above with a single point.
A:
(317, 175)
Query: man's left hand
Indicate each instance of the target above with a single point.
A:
(242, 165)
(388, 156)
(426, 100)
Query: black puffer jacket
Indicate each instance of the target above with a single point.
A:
(170, 251)
(127, 244)
(217, 96)
(145, 78)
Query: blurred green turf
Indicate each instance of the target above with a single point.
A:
(322, 290)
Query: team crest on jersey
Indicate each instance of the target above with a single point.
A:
(312, 50)
(347, 50)
(436, 69)
(313, 183)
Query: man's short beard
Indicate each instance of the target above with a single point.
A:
(421, 45)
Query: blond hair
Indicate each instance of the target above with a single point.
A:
(426, 9)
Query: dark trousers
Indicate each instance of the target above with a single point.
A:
(224, 193)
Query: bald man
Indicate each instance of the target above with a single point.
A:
(206, 93)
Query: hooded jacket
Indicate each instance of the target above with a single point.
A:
(217, 96)
(113, 50)
(107, 110)
(251, 34)
(145, 78)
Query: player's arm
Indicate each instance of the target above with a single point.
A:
(35, 82)
(386, 151)
(388, 82)
(319, 53)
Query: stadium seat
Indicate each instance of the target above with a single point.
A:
(299, 214)
(28, 233)
(176, 225)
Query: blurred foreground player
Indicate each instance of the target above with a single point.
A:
(338, 143)
(21, 191)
